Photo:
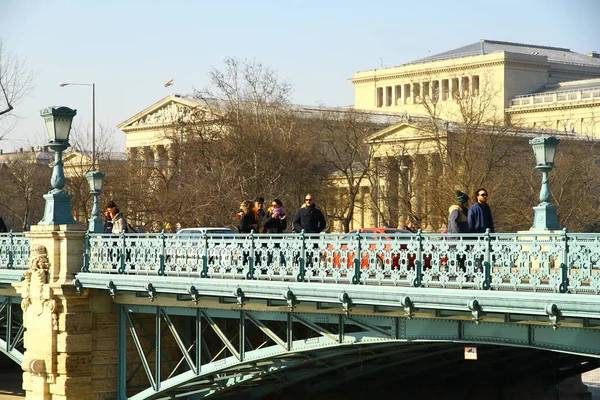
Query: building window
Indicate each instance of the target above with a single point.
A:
(379, 97)
(445, 89)
(475, 83)
(398, 90)
(388, 96)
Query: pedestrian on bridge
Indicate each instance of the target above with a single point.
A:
(260, 214)
(480, 214)
(458, 212)
(119, 224)
(275, 220)
(309, 218)
(458, 222)
(247, 217)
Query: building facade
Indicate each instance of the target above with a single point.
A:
(427, 103)
(527, 87)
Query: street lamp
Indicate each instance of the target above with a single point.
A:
(93, 85)
(544, 149)
(93, 177)
(58, 202)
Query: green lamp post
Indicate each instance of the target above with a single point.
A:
(544, 149)
(95, 180)
(58, 202)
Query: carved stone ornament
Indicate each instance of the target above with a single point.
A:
(33, 292)
(35, 366)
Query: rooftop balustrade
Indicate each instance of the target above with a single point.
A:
(545, 262)
(556, 97)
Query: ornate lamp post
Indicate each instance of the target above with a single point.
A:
(58, 202)
(544, 148)
(95, 179)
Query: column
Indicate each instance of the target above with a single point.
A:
(432, 180)
(65, 357)
(391, 201)
(376, 214)
(171, 161)
(402, 94)
(419, 187)
(155, 154)
(405, 189)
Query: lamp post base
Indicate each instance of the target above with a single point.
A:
(58, 208)
(545, 218)
(95, 225)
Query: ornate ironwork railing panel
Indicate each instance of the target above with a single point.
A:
(14, 250)
(553, 262)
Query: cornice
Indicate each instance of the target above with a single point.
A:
(450, 69)
(147, 127)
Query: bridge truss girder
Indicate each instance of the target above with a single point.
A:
(195, 353)
(11, 328)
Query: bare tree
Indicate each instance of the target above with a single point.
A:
(343, 135)
(242, 140)
(474, 147)
(15, 82)
(23, 182)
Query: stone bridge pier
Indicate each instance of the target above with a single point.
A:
(70, 340)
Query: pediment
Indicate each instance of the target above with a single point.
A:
(399, 132)
(166, 111)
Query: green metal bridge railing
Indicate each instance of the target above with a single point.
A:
(546, 262)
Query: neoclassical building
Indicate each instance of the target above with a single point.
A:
(537, 88)
(149, 132)
(423, 102)
(547, 84)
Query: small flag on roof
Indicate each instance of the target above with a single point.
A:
(170, 83)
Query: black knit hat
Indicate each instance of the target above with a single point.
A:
(461, 197)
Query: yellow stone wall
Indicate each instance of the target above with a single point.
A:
(501, 77)
(582, 117)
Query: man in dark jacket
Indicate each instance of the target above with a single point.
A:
(260, 213)
(480, 214)
(309, 217)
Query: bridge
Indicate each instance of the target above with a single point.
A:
(153, 316)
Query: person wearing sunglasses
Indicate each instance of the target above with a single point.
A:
(309, 218)
(480, 214)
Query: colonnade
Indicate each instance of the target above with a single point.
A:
(158, 156)
(404, 190)
(438, 89)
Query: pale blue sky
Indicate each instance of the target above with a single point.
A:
(131, 48)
